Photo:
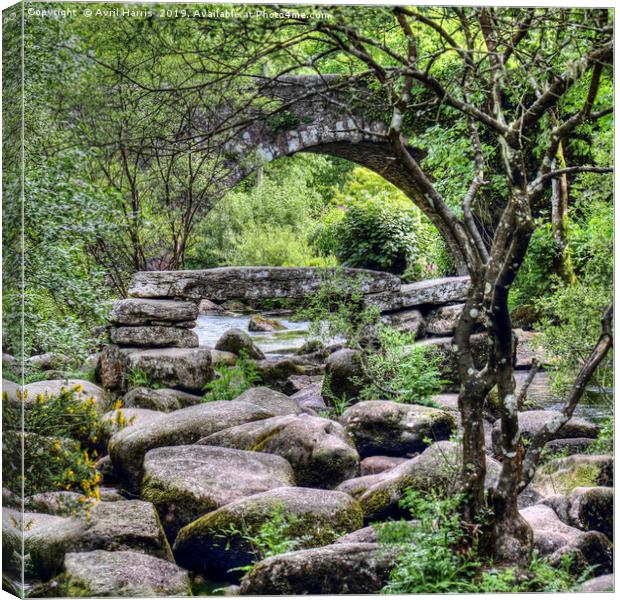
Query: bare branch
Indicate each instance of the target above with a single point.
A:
(596, 357)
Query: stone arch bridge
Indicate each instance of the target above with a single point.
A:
(329, 115)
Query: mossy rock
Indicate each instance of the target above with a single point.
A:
(219, 541)
(563, 475)
(436, 468)
(319, 450)
(185, 482)
(393, 428)
(333, 569)
(121, 574)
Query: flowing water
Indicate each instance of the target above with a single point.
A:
(210, 328)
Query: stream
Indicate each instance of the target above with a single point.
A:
(210, 328)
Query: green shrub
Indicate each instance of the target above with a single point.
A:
(232, 381)
(401, 371)
(58, 431)
(277, 534)
(436, 558)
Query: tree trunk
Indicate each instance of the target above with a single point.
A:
(561, 264)
(511, 536)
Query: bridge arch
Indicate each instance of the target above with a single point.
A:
(316, 118)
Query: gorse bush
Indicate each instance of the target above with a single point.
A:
(435, 555)
(58, 432)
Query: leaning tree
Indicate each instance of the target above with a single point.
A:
(518, 83)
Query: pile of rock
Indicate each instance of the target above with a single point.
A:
(150, 323)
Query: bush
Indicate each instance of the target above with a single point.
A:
(375, 226)
(401, 371)
(436, 558)
(398, 370)
(232, 381)
(58, 431)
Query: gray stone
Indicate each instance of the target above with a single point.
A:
(320, 517)
(366, 535)
(61, 504)
(344, 375)
(438, 467)
(188, 369)
(372, 465)
(334, 569)
(528, 349)
(320, 452)
(562, 475)
(296, 383)
(261, 323)
(42, 534)
(275, 402)
(429, 291)
(590, 551)
(531, 422)
(121, 574)
(407, 321)
(587, 508)
(221, 357)
(185, 482)
(238, 342)
(384, 427)
(48, 361)
(8, 361)
(143, 311)
(186, 426)
(116, 420)
(53, 387)
(554, 539)
(570, 445)
(310, 397)
(154, 336)
(207, 307)
(447, 401)
(121, 525)
(275, 371)
(443, 320)
(250, 283)
(163, 399)
(603, 583)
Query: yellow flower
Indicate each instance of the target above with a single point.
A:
(78, 388)
(118, 404)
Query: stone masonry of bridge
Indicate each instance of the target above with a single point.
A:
(151, 331)
(325, 114)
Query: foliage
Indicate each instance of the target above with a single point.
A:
(267, 224)
(402, 371)
(57, 433)
(337, 310)
(374, 225)
(231, 381)
(435, 558)
(571, 326)
(604, 443)
(279, 533)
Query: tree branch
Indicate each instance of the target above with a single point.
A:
(598, 354)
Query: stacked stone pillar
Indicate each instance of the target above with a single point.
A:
(152, 341)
